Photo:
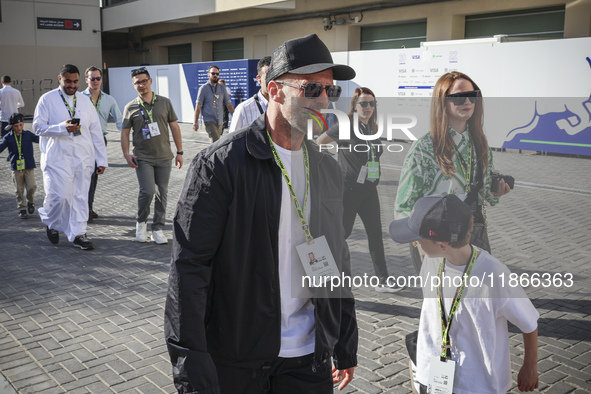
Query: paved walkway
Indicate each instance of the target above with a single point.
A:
(91, 322)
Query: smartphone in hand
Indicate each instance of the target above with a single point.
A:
(75, 121)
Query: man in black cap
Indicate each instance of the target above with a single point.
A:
(235, 322)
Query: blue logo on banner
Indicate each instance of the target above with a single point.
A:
(567, 130)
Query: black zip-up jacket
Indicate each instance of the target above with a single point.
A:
(223, 304)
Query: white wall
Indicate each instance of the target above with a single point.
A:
(514, 78)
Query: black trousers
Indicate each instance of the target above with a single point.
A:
(93, 182)
(283, 376)
(363, 200)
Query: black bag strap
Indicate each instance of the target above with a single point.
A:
(476, 185)
(478, 179)
(256, 100)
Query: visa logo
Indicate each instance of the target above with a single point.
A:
(434, 70)
(416, 57)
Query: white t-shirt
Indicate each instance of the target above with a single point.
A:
(297, 312)
(10, 101)
(479, 333)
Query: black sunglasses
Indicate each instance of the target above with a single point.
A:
(314, 90)
(364, 104)
(460, 98)
(214, 73)
(142, 69)
(95, 79)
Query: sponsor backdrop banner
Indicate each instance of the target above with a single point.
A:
(542, 89)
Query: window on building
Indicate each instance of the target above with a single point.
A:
(399, 35)
(228, 49)
(179, 54)
(107, 3)
(539, 23)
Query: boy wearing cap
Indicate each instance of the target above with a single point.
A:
(22, 163)
(463, 341)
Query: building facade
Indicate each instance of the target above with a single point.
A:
(38, 36)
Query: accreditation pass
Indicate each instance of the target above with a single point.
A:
(441, 376)
(317, 259)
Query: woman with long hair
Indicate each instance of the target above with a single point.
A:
(361, 169)
(453, 158)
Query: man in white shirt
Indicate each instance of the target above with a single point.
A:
(247, 111)
(71, 141)
(10, 101)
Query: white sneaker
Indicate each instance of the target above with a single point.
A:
(159, 237)
(384, 288)
(141, 233)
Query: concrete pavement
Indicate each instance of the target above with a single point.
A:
(91, 322)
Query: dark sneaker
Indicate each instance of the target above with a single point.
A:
(23, 214)
(383, 287)
(53, 235)
(93, 214)
(31, 208)
(83, 243)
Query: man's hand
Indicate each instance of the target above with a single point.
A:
(344, 376)
(100, 170)
(195, 126)
(179, 161)
(129, 158)
(72, 128)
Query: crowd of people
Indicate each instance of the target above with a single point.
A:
(256, 204)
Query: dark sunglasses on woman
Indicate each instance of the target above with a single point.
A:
(364, 104)
(460, 98)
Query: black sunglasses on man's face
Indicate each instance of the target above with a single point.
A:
(313, 90)
(460, 98)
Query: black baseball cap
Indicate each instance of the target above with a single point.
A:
(438, 218)
(305, 55)
(14, 119)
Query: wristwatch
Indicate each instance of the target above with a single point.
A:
(179, 153)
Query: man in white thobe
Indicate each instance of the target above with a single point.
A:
(71, 140)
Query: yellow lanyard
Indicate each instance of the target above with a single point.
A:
(70, 110)
(97, 105)
(446, 322)
(465, 167)
(142, 108)
(19, 144)
(299, 209)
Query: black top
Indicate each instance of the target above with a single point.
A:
(355, 152)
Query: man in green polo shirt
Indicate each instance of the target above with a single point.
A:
(150, 116)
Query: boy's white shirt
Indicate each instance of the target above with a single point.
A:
(479, 333)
